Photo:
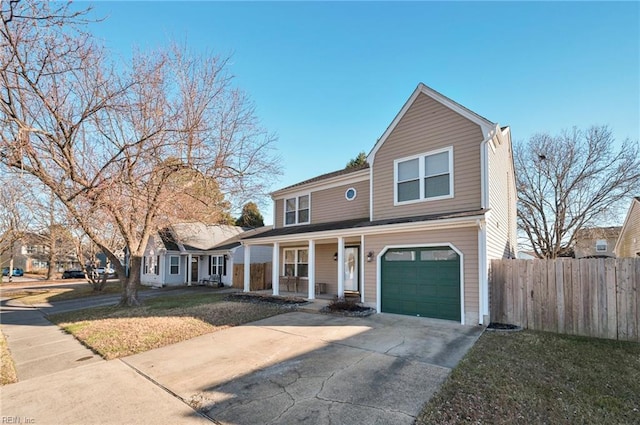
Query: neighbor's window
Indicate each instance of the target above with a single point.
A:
(296, 262)
(296, 210)
(601, 245)
(424, 177)
(174, 265)
(217, 265)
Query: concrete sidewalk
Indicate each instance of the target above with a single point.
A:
(62, 382)
(38, 347)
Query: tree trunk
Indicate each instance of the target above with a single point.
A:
(130, 283)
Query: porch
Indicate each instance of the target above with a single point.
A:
(315, 268)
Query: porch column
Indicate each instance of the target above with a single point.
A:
(275, 269)
(312, 269)
(247, 268)
(340, 267)
(189, 260)
(363, 259)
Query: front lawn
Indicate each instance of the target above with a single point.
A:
(540, 378)
(115, 332)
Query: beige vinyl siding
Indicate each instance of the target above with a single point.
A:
(501, 224)
(464, 239)
(630, 238)
(326, 266)
(427, 126)
(330, 204)
(278, 220)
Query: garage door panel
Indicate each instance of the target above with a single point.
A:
(428, 286)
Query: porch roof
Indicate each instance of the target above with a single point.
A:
(361, 223)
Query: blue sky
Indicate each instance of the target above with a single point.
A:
(329, 77)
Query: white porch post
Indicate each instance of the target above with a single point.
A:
(312, 269)
(362, 267)
(340, 267)
(247, 268)
(189, 260)
(275, 269)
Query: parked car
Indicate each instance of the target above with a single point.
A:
(16, 272)
(73, 274)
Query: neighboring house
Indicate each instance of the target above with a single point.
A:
(189, 253)
(628, 243)
(595, 242)
(411, 231)
(31, 253)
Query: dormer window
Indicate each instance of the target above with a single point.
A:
(296, 210)
(601, 245)
(424, 177)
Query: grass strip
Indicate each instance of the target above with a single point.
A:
(7, 367)
(115, 332)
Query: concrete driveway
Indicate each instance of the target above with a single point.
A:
(317, 369)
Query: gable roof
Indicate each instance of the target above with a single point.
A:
(197, 236)
(234, 242)
(327, 176)
(598, 233)
(486, 126)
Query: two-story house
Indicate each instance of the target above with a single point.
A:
(413, 230)
(595, 242)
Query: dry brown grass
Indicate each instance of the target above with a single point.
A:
(116, 332)
(43, 295)
(540, 378)
(7, 368)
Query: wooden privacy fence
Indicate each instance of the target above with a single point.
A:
(260, 276)
(591, 297)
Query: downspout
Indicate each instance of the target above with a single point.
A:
(483, 287)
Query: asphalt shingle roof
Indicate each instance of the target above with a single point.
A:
(361, 223)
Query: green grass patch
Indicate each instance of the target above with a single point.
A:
(115, 332)
(7, 368)
(540, 378)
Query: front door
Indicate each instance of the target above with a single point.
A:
(194, 269)
(351, 281)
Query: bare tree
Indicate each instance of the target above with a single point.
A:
(570, 181)
(121, 150)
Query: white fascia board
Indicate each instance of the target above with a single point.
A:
(450, 223)
(487, 127)
(355, 177)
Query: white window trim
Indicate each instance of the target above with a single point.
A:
(355, 193)
(421, 177)
(601, 242)
(214, 265)
(295, 259)
(171, 257)
(284, 209)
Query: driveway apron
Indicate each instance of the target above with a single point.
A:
(300, 367)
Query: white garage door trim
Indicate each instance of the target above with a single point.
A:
(422, 245)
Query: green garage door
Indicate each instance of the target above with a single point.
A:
(421, 282)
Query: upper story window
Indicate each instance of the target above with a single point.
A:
(424, 177)
(601, 245)
(296, 210)
(350, 194)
